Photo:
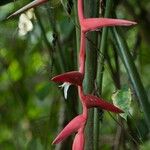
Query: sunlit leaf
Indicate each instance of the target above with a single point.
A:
(122, 99)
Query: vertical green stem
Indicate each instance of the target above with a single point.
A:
(50, 48)
(90, 10)
(77, 40)
(77, 29)
(100, 70)
(60, 54)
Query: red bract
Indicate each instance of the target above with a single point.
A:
(96, 23)
(91, 24)
(73, 126)
(78, 143)
(73, 77)
(93, 101)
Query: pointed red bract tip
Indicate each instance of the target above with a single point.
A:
(73, 77)
(28, 6)
(93, 101)
(78, 143)
(72, 126)
(91, 24)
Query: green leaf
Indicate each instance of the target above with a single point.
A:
(122, 99)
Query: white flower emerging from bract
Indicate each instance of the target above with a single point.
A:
(66, 86)
(25, 25)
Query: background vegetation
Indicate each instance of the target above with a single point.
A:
(43, 43)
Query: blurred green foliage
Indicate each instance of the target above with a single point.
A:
(32, 109)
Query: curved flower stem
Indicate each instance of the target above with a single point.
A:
(82, 54)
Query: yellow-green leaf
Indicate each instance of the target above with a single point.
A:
(122, 99)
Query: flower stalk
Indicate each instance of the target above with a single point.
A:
(86, 65)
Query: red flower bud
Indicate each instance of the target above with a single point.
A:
(72, 126)
(73, 77)
(93, 101)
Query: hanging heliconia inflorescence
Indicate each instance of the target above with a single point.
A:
(76, 77)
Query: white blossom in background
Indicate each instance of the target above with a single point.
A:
(25, 24)
(30, 13)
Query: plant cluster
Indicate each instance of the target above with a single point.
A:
(76, 77)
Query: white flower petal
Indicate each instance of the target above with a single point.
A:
(66, 86)
(25, 25)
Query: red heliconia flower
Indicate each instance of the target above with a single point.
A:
(73, 77)
(93, 101)
(78, 143)
(28, 6)
(73, 126)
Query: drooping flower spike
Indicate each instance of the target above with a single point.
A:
(28, 6)
(88, 101)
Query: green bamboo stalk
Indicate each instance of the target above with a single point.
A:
(60, 54)
(90, 10)
(77, 25)
(77, 41)
(133, 74)
(100, 70)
